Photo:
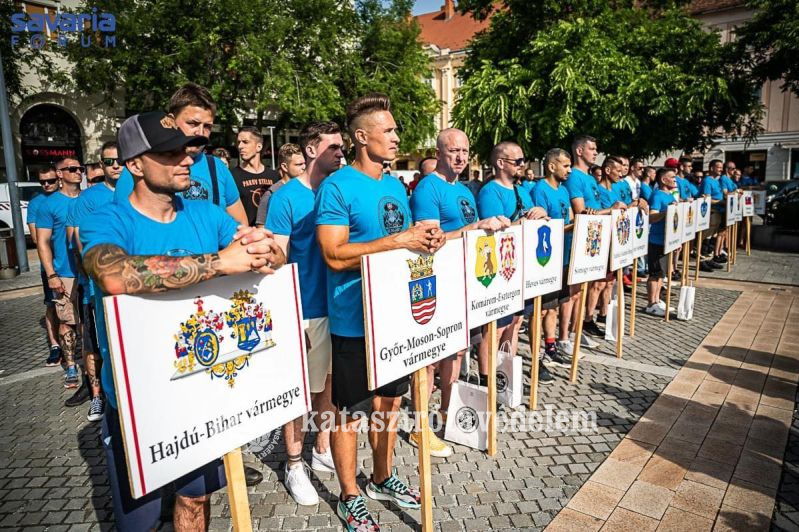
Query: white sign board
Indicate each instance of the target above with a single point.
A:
(674, 224)
(641, 233)
(621, 249)
(739, 205)
(689, 220)
(590, 248)
(494, 274)
(204, 370)
(543, 257)
(747, 204)
(703, 214)
(731, 215)
(760, 201)
(414, 310)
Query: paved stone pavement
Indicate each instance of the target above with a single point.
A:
(709, 452)
(52, 472)
(761, 267)
(24, 280)
(786, 510)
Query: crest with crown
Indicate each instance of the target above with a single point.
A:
(421, 267)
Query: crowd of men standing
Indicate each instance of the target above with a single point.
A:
(162, 214)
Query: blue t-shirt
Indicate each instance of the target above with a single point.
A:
(198, 228)
(746, 181)
(659, 203)
(291, 213)
(52, 214)
(557, 204)
(452, 204)
(496, 200)
(623, 191)
(89, 201)
(686, 189)
(646, 191)
(712, 187)
(529, 185)
(33, 207)
(372, 209)
(727, 184)
(607, 197)
(581, 185)
(201, 187)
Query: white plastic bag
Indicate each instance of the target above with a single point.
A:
(467, 421)
(611, 320)
(509, 377)
(685, 309)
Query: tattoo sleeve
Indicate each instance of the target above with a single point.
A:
(116, 272)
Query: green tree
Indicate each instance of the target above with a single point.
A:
(643, 77)
(287, 61)
(771, 39)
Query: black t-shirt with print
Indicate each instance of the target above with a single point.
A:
(252, 187)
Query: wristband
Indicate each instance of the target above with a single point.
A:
(52, 276)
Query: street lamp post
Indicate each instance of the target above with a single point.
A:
(272, 144)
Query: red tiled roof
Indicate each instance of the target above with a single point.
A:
(454, 33)
(697, 7)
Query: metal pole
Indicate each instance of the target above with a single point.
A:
(11, 174)
(272, 144)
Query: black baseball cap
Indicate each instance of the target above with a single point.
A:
(153, 132)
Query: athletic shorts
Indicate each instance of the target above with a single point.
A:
(144, 513)
(66, 304)
(656, 260)
(553, 300)
(88, 328)
(526, 311)
(48, 292)
(320, 355)
(715, 224)
(350, 390)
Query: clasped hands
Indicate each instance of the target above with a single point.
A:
(252, 249)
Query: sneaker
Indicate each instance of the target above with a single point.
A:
(705, 267)
(356, 517)
(96, 409)
(323, 462)
(54, 358)
(655, 310)
(81, 395)
(662, 306)
(565, 348)
(544, 376)
(715, 265)
(601, 319)
(585, 341)
(627, 279)
(395, 490)
(591, 327)
(299, 486)
(438, 448)
(720, 259)
(556, 359)
(71, 378)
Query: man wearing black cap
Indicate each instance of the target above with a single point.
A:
(155, 242)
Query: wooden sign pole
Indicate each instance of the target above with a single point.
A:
(735, 244)
(729, 254)
(634, 291)
(492, 388)
(669, 270)
(578, 332)
(619, 310)
(237, 492)
(748, 235)
(425, 475)
(535, 346)
(698, 254)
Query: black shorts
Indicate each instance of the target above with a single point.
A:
(526, 311)
(554, 299)
(48, 293)
(654, 260)
(350, 390)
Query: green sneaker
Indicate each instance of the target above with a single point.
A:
(395, 490)
(355, 515)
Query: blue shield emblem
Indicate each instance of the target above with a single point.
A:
(206, 347)
(543, 251)
(703, 209)
(247, 333)
(639, 224)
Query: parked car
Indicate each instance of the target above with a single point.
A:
(784, 209)
(27, 191)
(776, 190)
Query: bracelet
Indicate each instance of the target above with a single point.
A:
(52, 276)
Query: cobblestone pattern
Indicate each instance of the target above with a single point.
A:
(22, 333)
(52, 473)
(768, 267)
(786, 508)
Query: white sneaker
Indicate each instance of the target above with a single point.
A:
(655, 310)
(585, 341)
(323, 462)
(565, 348)
(661, 305)
(300, 487)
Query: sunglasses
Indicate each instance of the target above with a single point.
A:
(73, 169)
(44, 182)
(516, 162)
(96, 180)
(112, 162)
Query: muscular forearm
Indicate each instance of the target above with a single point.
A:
(116, 272)
(45, 255)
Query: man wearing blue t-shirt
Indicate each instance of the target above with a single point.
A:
(361, 210)
(154, 242)
(292, 219)
(713, 186)
(49, 182)
(90, 201)
(662, 197)
(193, 110)
(444, 200)
(58, 260)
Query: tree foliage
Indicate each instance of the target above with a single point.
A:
(293, 60)
(771, 39)
(643, 77)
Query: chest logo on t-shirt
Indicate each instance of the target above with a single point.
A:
(467, 211)
(196, 191)
(597, 194)
(564, 211)
(391, 216)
